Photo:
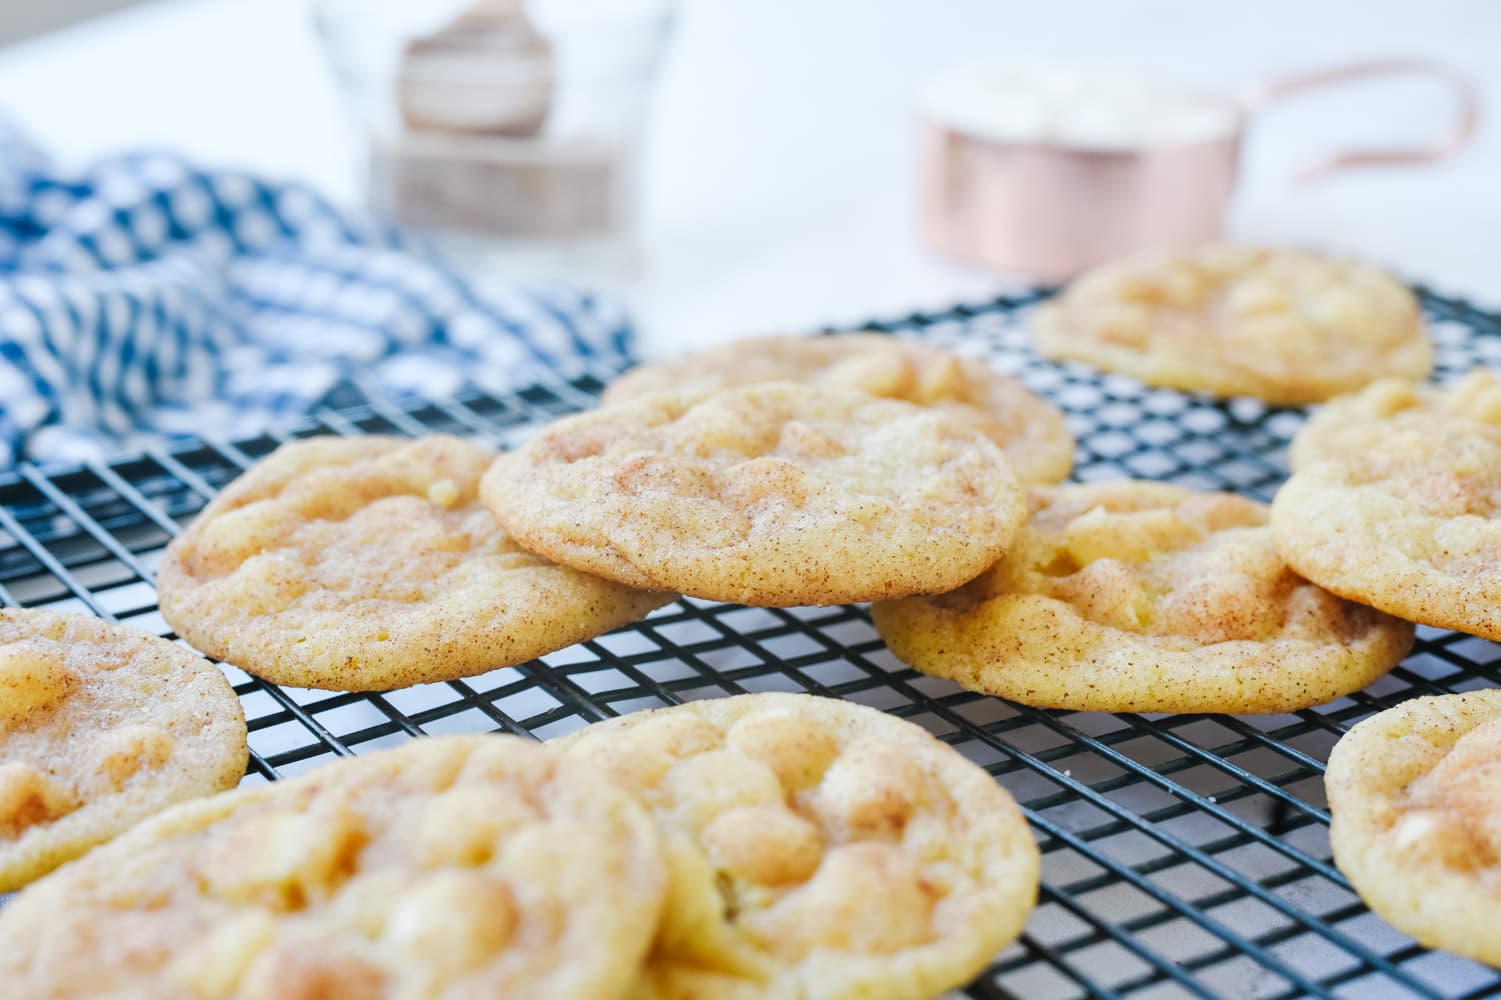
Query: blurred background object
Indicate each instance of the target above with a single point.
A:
(511, 130)
(145, 298)
(1048, 170)
(781, 180)
(20, 20)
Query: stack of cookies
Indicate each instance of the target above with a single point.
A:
(727, 848)
(779, 472)
(1394, 505)
(789, 471)
(731, 848)
(797, 471)
(760, 846)
(1395, 501)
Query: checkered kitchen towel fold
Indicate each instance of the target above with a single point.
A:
(145, 299)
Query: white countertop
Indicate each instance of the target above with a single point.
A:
(781, 176)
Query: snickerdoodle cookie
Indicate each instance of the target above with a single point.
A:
(817, 849)
(1362, 420)
(101, 725)
(1416, 809)
(771, 494)
(1030, 431)
(452, 867)
(1145, 597)
(1412, 527)
(359, 564)
(1286, 326)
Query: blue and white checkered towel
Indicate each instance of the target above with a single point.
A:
(145, 299)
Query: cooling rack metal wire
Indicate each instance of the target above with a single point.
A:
(1184, 855)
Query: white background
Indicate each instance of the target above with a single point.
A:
(781, 182)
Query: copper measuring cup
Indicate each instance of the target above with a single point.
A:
(1050, 210)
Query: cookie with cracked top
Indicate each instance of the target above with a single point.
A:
(1412, 527)
(772, 494)
(455, 867)
(101, 726)
(1282, 325)
(1414, 799)
(358, 564)
(1145, 597)
(817, 848)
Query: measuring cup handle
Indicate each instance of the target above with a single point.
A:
(1466, 98)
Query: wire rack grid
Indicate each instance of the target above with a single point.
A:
(1184, 855)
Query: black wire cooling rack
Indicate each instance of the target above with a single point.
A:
(1183, 855)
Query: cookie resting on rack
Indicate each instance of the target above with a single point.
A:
(772, 494)
(1145, 597)
(101, 726)
(1031, 432)
(1285, 326)
(1412, 527)
(451, 867)
(1362, 420)
(1416, 813)
(357, 564)
(817, 848)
